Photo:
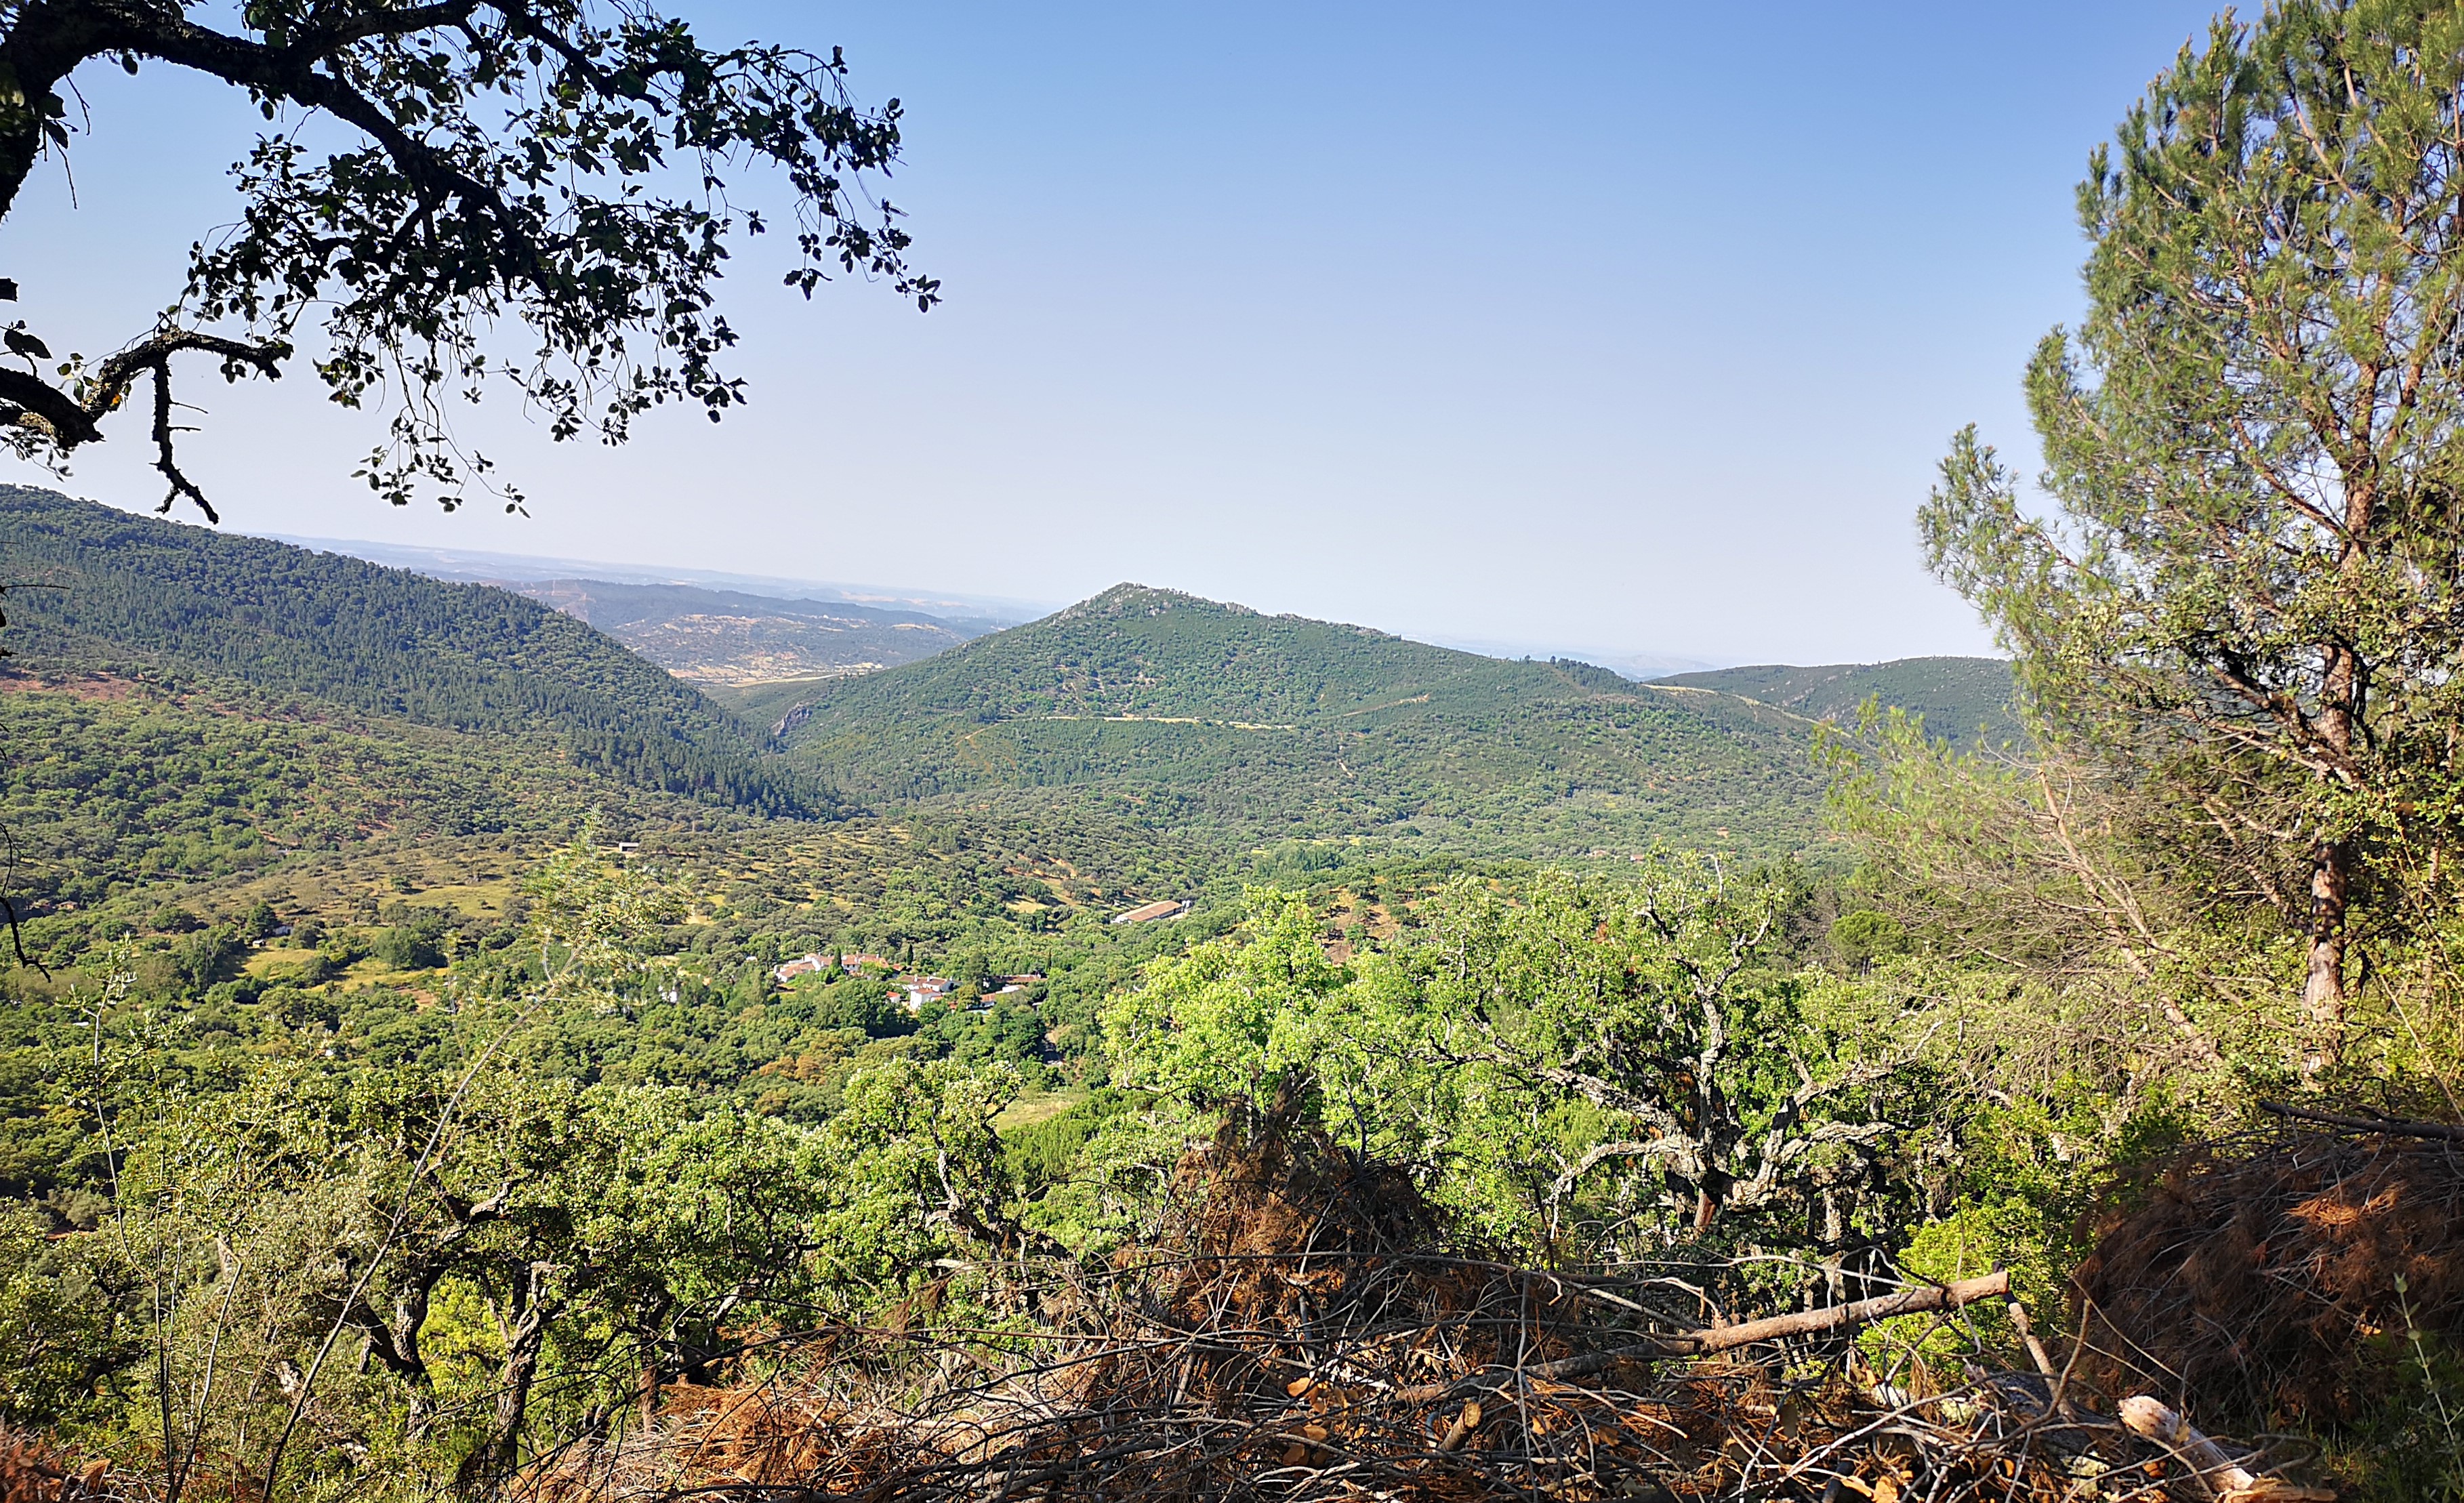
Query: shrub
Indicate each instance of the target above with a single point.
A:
(406, 949)
(207, 956)
(1862, 936)
(311, 969)
(56, 1321)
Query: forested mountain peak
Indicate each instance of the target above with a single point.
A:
(1138, 651)
(1191, 713)
(1128, 599)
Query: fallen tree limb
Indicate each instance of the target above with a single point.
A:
(1727, 1339)
(2036, 1351)
(2232, 1482)
(2364, 1124)
(2154, 1420)
(1995, 1285)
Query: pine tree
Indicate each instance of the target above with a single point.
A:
(2243, 595)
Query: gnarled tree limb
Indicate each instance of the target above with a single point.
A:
(557, 164)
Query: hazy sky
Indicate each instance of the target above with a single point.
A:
(1631, 328)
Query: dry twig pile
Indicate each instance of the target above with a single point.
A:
(1296, 1339)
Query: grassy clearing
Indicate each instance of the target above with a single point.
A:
(1038, 1106)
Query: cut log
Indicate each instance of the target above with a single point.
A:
(1461, 1430)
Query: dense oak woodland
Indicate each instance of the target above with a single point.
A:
(214, 723)
(508, 1128)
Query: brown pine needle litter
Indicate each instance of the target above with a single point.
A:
(34, 1471)
(1299, 1334)
(2281, 1273)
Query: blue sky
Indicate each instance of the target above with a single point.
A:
(1611, 328)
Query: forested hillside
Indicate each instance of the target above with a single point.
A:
(1207, 715)
(1961, 698)
(113, 787)
(180, 607)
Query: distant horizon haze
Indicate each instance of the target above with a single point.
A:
(473, 564)
(1638, 328)
(479, 565)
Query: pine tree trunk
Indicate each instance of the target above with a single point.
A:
(2322, 992)
(2331, 869)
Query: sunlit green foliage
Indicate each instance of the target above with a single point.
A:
(1579, 1063)
(1236, 1021)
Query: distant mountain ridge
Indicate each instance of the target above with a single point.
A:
(1142, 705)
(1640, 667)
(155, 597)
(473, 565)
(719, 637)
(1195, 712)
(1961, 698)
